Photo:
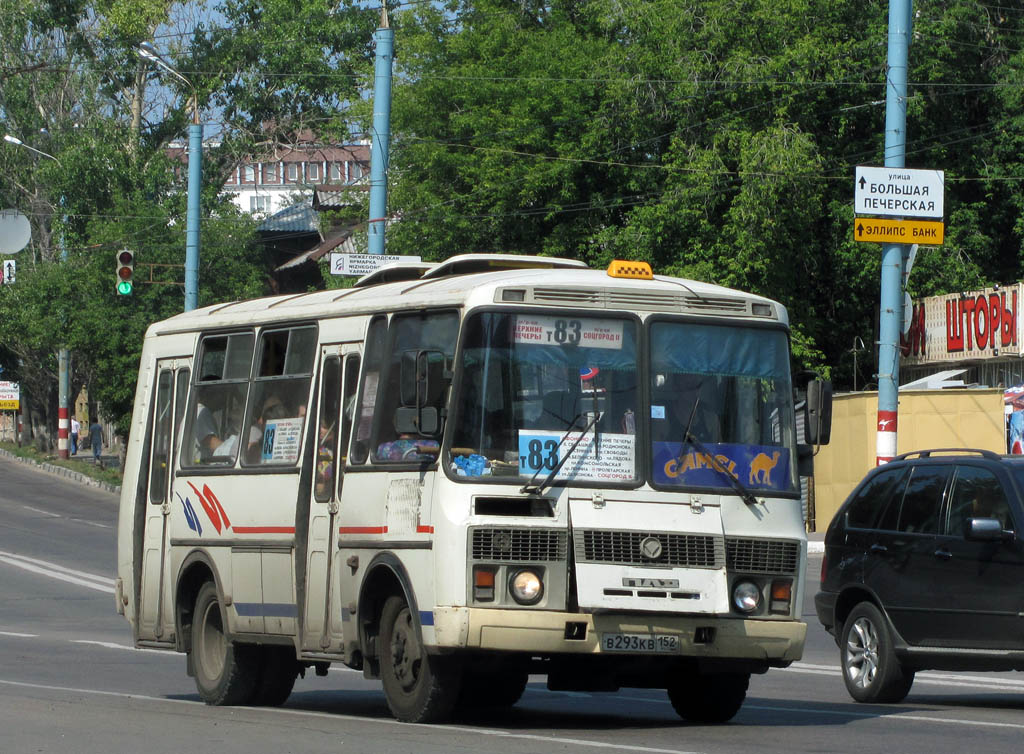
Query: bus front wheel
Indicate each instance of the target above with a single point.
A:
(419, 688)
(225, 671)
(710, 698)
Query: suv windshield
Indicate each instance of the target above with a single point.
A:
(730, 388)
(531, 383)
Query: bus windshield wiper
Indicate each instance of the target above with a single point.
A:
(690, 439)
(532, 489)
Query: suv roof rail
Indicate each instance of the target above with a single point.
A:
(928, 453)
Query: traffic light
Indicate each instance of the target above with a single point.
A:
(125, 271)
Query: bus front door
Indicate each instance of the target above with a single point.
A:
(156, 622)
(322, 624)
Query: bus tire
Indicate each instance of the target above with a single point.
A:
(226, 672)
(713, 698)
(501, 689)
(419, 688)
(278, 669)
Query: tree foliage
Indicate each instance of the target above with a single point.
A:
(716, 139)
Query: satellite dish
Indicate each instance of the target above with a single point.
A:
(15, 232)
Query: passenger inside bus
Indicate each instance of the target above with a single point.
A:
(408, 447)
(325, 457)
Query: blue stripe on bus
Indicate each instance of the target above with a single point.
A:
(267, 609)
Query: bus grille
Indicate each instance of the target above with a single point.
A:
(531, 545)
(623, 548)
(762, 555)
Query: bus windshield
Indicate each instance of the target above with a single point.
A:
(532, 383)
(729, 388)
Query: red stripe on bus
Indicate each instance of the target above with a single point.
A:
(424, 529)
(362, 530)
(263, 529)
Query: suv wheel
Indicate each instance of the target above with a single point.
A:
(870, 668)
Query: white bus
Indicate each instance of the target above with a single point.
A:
(454, 476)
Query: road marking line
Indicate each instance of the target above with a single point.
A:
(930, 678)
(90, 523)
(115, 645)
(15, 633)
(891, 714)
(40, 510)
(581, 742)
(54, 571)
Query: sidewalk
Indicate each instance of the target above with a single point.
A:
(815, 542)
(109, 461)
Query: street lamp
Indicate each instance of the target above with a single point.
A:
(63, 373)
(195, 156)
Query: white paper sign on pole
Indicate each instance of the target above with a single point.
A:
(364, 264)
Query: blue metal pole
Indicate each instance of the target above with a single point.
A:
(63, 362)
(891, 302)
(385, 38)
(195, 173)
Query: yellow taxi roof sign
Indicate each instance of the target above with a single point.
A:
(628, 268)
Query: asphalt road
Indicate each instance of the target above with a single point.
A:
(71, 682)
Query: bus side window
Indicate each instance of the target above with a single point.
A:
(217, 402)
(327, 435)
(349, 399)
(161, 438)
(376, 338)
(432, 335)
(280, 390)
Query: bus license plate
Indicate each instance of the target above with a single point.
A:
(639, 643)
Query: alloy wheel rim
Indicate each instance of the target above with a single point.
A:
(862, 653)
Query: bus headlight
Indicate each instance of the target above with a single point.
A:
(746, 596)
(526, 587)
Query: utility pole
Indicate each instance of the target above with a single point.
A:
(891, 302)
(195, 173)
(385, 39)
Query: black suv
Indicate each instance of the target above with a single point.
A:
(923, 569)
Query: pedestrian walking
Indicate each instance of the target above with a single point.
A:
(75, 429)
(96, 439)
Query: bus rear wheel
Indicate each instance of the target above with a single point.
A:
(711, 698)
(277, 671)
(226, 672)
(419, 688)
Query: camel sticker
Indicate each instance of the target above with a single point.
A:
(758, 467)
(761, 468)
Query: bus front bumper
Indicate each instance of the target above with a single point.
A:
(542, 632)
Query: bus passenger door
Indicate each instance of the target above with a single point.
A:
(156, 619)
(339, 373)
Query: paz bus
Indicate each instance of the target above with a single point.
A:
(456, 476)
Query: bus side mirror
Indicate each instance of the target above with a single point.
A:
(818, 412)
(422, 381)
(417, 421)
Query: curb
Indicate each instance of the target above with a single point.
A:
(75, 476)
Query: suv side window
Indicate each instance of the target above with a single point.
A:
(923, 499)
(865, 509)
(976, 493)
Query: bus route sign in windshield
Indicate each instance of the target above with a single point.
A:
(568, 331)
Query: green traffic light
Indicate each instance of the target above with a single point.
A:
(124, 287)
